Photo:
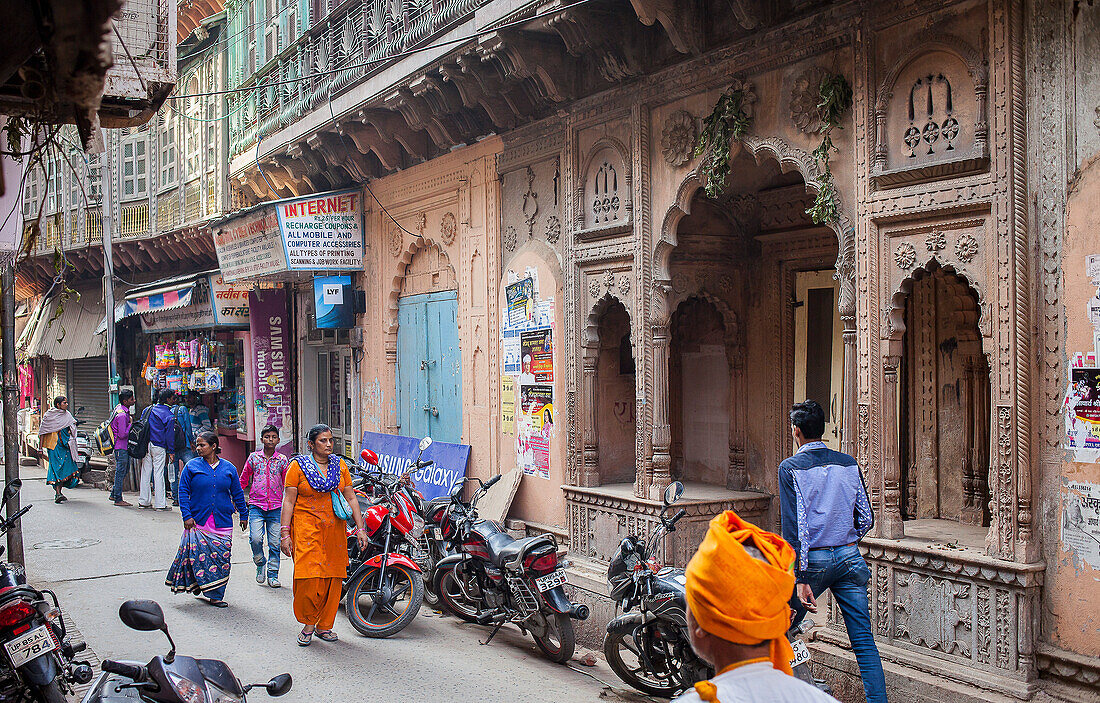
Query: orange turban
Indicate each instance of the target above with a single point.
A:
(740, 598)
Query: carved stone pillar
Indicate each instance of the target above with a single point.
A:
(891, 523)
(972, 507)
(590, 472)
(662, 433)
(737, 478)
(849, 394)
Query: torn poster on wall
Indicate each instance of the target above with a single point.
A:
(1081, 520)
(507, 404)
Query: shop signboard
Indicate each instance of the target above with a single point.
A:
(250, 246)
(396, 453)
(270, 325)
(334, 301)
(323, 232)
(220, 305)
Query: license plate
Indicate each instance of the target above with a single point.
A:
(437, 533)
(801, 653)
(34, 644)
(549, 581)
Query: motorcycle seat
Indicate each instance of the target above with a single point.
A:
(503, 548)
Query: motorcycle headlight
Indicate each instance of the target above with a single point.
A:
(217, 695)
(186, 689)
(418, 527)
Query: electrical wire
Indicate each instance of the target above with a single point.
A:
(398, 55)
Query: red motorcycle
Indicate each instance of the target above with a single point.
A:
(385, 587)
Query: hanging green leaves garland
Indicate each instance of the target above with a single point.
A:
(727, 122)
(835, 99)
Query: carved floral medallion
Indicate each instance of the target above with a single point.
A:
(935, 241)
(510, 238)
(448, 229)
(624, 286)
(396, 239)
(553, 229)
(805, 97)
(905, 255)
(678, 138)
(966, 248)
(594, 287)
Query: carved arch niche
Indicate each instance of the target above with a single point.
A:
(931, 114)
(604, 205)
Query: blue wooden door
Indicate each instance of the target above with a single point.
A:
(429, 367)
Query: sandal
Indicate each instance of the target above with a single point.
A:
(327, 635)
(217, 603)
(304, 638)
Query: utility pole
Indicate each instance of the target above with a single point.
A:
(11, 403)
(109, 277)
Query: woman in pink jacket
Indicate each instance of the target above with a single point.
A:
(262, 481)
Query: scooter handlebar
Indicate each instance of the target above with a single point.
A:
(492, 482)
(131, 671)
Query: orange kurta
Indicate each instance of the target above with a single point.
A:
(320, 540)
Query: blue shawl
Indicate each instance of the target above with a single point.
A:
(322, 483)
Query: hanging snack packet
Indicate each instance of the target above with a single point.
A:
(183, 351)
(193, 352)
(213, 380)
(198, 381)
(162, 360)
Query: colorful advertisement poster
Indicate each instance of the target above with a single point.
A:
(250, 246)
(270, 325)
(1083, 409)
(334, 302)
(538, 407)
(536, 351)
(323, 232)
(521, 302)
(395, 453)
(510, 335)
(533, 452)
(507, 405)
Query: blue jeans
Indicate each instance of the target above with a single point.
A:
(843, 571)
(263, 523)
(122, 469)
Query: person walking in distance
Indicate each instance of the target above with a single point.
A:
(262, 479)
(313, 537)
(737, 587)
(57, 434)
(825, 512)
(182, 413)
(120, 427)
(162, 440)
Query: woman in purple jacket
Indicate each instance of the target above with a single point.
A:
(209, 492)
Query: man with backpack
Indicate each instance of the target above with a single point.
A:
(161, 442)
(120, 427)
(185, 453)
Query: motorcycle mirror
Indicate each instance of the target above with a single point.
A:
(11, 489)
(425, 443)
(673, 492)
(279, 685)
(143, 615)
(370, 457)
(457, 487)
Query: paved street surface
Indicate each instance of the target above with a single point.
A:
(95, 556)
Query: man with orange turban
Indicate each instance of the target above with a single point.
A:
(738, 586)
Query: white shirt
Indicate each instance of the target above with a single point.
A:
(760, 683)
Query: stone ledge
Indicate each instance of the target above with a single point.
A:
(924, 554)
(1070, 667)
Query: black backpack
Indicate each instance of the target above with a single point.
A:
(181, 439)
(137, 443)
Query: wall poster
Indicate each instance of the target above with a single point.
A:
(1083, 409)
(507, 404)
(536, 350)
(1081, 520)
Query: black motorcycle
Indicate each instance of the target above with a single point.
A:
(38, 664)
(647, 646)
(171, 678)
(495, 579)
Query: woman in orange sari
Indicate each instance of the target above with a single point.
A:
(314, 538)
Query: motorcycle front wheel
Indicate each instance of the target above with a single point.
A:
(51, 693)
(451, 597)
(384, 612)
(559, 641)
(622, 656)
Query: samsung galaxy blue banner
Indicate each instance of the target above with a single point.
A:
(395, 453)
(334, 301)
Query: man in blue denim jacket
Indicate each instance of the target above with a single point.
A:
(825, 513)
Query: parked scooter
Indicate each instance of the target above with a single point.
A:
(170, 678)
(386, 587)
(496, 579)
(647, 646)
(38, 665)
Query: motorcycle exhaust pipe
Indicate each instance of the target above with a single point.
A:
(579, 611)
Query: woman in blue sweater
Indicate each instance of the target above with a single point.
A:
(209, 492)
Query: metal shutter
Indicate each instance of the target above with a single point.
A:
(88, 390)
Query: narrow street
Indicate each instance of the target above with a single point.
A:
(95, 556)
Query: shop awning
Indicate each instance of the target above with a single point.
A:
(167, 297)
(71, 335)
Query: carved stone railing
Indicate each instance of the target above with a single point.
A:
(600, 517)
(359, 40)
(932, 604)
